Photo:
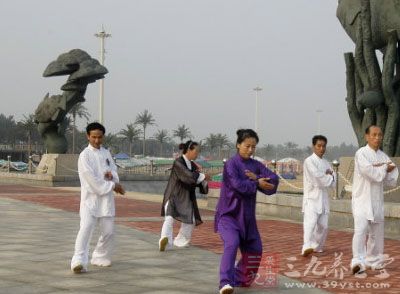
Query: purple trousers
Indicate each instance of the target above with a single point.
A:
(245, 271)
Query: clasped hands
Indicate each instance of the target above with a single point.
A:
(390, 166)
(262, 182)
(117, 187)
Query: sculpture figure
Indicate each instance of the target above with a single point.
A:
(51, 113)
(373, 93)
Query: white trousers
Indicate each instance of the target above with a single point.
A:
(315, 230)
(102, 253)
(367, 252)
(185, 233)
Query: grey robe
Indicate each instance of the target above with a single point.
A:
(180, 193)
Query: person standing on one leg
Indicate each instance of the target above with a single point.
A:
(373, 169)
(180, 198)
(235, 217)
(99, 178)
(318, 177)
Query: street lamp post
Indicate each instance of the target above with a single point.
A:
(102, 35)
(319, 111)
(256, 89)
(336, 164)
(8, 163)
(273, 162)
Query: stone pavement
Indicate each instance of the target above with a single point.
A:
(38, 230)
(39, 225)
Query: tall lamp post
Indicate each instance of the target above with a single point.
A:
(102, 35)
(256, 89)
(319, 111)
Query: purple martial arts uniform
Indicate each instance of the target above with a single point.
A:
(235, 218)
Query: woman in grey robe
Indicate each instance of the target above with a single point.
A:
(180, 197)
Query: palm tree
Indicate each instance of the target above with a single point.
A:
(221, 141)
(78, 110)
(161, 136)
(29, 125)
(145, 119)
(292, 149)
(131, 133)
(182, 132)
(211, 142)
(111, 142)
(8, 129)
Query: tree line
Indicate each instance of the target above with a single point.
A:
(133, 139)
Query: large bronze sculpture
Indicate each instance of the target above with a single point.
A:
(51, 113)
(373, 93)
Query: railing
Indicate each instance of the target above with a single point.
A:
(152, 169)
(145, 170)
(22, 147)
(292, 186)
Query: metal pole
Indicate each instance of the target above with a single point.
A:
(336, 164)
(256, 89)
(101, 102)
(9, 163)
(256, 117)
(319, 121)
(102, 35)
(274, 164)
(30, 164)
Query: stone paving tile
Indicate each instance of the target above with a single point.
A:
(313, 269)
(280, 237)
(41, 264)
(137, 208)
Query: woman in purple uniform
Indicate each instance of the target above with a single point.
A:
(235, 217)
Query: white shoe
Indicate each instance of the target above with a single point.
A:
(358, 269)
(377, 267)
(78, 268)
(162, 243)
(101, 264)
(181, 244)
(227, 289)
(374, 266)
(307, 252)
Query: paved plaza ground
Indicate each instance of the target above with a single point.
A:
(39, 226)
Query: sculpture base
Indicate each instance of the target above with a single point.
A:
(58, 165)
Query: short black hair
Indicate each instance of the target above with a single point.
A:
(243, 134)
(189, 145)
(95, 126)
(317, 138)
(368, 129)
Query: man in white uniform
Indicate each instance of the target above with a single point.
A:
(372, 170)
(318, 179)
(98, 177)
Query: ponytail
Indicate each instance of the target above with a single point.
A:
(189, 145)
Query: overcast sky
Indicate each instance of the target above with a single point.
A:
(192, 62)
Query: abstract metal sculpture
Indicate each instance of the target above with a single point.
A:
(373, 94)
(51, 113)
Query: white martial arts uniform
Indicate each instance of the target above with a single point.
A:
(97, 205)
(316, 201)
(185, 232)
(368, 205)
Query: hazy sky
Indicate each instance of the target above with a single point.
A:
(187, 61)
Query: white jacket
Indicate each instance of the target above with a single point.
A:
(368, 183)
(316, 184)
(97, 192)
